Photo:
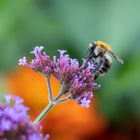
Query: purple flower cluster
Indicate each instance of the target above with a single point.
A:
(41, 62)
(15, 123)
(83, 83)
(78, 80)
(65, 68)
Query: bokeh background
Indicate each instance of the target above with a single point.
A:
(72, 25)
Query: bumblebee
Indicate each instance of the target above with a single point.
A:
(100, 54)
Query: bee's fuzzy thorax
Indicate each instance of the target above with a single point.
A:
(104, 45)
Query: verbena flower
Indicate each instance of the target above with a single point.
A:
(78, 80)
(82, 86)
(41, 62)
(15, 123)
(64, 67)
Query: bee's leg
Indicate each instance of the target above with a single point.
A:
(97, 67)
(91, 60)
(93, 56)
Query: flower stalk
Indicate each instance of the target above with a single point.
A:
(62, 89)
(52, 101)
(50, 97)
(43, 113)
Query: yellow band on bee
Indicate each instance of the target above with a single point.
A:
(104, 45)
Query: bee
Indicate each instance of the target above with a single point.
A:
(101, 54)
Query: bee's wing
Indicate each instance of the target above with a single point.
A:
(88, 56)
(116, 57)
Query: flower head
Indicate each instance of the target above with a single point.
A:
(15, 123)
(41, 62)
(78, 80)
(64, 68)
(82, 86)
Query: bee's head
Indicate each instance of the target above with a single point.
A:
(96, 48)
(92, 45)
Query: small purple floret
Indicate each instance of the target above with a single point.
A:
(37, 50)
(85, 102)
(22, 61)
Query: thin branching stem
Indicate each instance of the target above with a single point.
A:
(51, 104)
(50, 97)
(61, 92)
(64, 99)
(43, 113)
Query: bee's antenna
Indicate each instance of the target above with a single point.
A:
(116, 57)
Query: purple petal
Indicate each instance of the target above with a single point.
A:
(22, 61)
(37, 50)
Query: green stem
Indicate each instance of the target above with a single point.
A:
(63, 100)
(61, 92)
(43, 113)
(50, 105)
(49, 88)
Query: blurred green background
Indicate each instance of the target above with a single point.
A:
(72, 25)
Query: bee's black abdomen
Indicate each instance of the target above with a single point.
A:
(103, 68)
(107, 65)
